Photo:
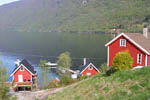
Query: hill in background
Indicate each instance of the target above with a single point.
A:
(75, 15)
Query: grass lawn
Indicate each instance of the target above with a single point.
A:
(122, 85)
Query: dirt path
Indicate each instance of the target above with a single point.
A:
(41, 94)
(33, 95)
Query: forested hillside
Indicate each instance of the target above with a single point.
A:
(75, 15)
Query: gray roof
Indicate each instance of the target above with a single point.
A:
(82, 67)
(141, 40)
(27, 65)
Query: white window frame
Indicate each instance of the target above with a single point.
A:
(21, 67)
(139, 60)
(122, 42)
(90, 67)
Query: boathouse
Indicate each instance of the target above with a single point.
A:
(24, 76)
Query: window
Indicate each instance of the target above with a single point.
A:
(122, 42)
(24, 80)
(88, 74)
(91, 67)
(21, 69)
(139, 58)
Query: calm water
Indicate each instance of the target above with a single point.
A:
(43, 45)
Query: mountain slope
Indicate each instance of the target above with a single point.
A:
(73, 15)
(123, 85)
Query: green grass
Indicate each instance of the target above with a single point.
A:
(123, 85)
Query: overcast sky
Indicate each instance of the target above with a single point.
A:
(2, 2)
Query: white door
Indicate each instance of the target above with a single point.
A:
(20, 78)
(88, 74)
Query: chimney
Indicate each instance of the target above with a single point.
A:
(84, 61)
(17, 62)
(146, 32)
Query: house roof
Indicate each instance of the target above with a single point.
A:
(137, 39)
(83, 67)
(141, 40)
(26, 64)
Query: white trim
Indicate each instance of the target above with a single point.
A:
(31, 78)
(108, 56)
(19, 67)
(88, 66)
(122, 34)
(122, 42)
(114, 39)
(146, 60)
(137, 67)
(139, 62)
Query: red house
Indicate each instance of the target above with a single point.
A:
(24, 76)
(88, 69)
(137, 44)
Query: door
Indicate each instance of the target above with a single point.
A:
(20, 78)
(88, 74)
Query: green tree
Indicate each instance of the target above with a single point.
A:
(63, 63)
(3, 77)
(45, 72)
(122, 61)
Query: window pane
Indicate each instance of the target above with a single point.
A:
(122, 42)
(139, 58)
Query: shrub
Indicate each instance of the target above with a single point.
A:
(3, 86)
(12, 98)
(66, 80)
(83, 77)
(103, 67)
(110, 71)
(122, 61)
(53, 85)
(3, 92)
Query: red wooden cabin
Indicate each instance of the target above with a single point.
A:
(137, 44)
(24, 76)
(88, 68)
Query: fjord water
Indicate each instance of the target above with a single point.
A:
(34, 46)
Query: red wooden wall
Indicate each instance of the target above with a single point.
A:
(26, 75)
(93, 71)
(114, 48)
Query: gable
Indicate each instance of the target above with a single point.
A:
(18, 68)
(129, 46)
(23, 72)
(118, 40)
(28, 66)
(88, 67)
(129, 39)
(89, 72)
